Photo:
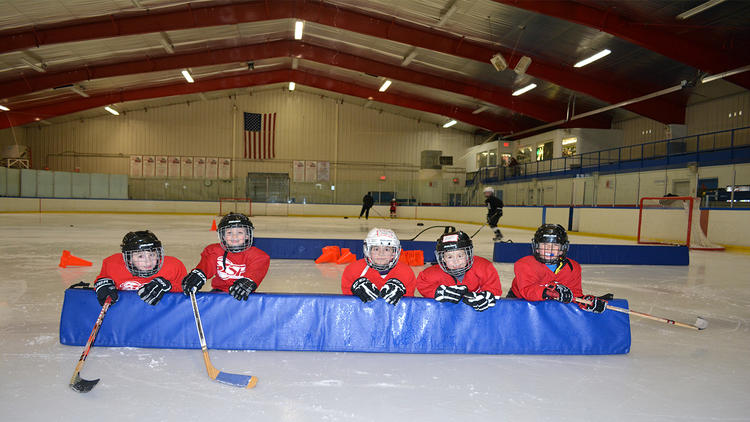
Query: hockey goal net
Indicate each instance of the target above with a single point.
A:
(672, 220)
(236, 205)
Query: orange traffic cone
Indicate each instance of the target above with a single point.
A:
(416, 258)
(213, 226)
(68, 260)
(346, 256)
(330, 254)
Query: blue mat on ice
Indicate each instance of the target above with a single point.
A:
(286, 248)
(344, 324)
(603, 254)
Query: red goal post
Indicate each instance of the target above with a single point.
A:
(672, 220)
(236, 205)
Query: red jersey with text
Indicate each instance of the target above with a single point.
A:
(481, 276)
(532, 277)
(400, 271)
(173, 270)
(251, 263)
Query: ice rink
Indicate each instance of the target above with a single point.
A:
(671, 373)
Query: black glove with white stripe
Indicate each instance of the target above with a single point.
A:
(193, 281)
(597, 306)
(365, 289)
(105, 287)
(451, 294)
(480, 301)
(154, 290)
(558, 292)
(392, 291)
(241, 288)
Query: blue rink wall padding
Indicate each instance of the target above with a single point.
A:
(603, 254)
(284, 248)
(333, 323)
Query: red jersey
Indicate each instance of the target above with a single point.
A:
(251, 263)
(173, 270)
(400, 271)
(481, 276)
(532, 277)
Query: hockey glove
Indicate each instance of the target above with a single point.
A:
(193, 281)
(558, 292)
(392, 291)
(105, 287)
(154, 290)
(242, 288)
(597, 305)
(365, 289)
(451, 294)
(480, 301)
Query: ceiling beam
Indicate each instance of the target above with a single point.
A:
(352, 20)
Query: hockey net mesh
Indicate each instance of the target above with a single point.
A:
(236, 205)
(672, 221)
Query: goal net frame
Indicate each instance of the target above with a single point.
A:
(236, 205)
(673, 209)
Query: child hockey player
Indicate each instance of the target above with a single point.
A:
(379, 274)
(460, 277)
(393, 208)
(549, 274)
(236, 266)
(494, 212)
(141, 266)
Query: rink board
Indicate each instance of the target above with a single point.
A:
(603, 254)
(334, 323)
(285, 248)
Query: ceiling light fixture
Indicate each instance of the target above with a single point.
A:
(78, 90)
(3, 108)
(385, 85)
(449, 124)
(524, 90)
(480, 109)
(593, 58)
(523, 64)
(292, 85)
(187, 76)
(112, 110)
(409, 57)
(166, 43)
(41, 67)
(499, 62)
(725, 74)
(698, 9)
(298, 30)
(448, 13)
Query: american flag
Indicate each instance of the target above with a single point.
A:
(260, 136)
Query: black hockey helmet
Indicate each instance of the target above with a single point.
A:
(550, 233)
(455, 241)
(233, 220)
(141, 241)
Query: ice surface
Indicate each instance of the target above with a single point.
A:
(671, 373)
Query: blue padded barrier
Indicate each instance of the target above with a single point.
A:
(344, 324)
(284, 248)
(603, 254)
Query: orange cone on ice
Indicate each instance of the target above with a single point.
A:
(416, 258)
(68, 260)
(213, 226)
(330, 254)
(346, 256)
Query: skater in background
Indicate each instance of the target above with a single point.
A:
(379, 273)
(393, 208)
(494, 212)
(460, 276)
(235, 265)
(548, 274)
(367, 202)
(141, 266)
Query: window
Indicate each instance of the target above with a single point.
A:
(487, 158)
(569, 147)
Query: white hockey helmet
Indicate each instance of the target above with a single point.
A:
(488, 189)
(381, 237)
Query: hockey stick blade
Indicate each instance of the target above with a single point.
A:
(81, 385)
(237, 380)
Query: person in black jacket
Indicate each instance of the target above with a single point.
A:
(367, 202)
(494, 212)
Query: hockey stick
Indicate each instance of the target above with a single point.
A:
(448, 229)
(700, 323)
(237, 380)
(76, 382)
(480, 228)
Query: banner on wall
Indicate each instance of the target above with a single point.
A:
(173, 167)
(299, 171)
(324, 171)
(136, 166)
(161, 165)
(225, 168)
(149, 165)
(212, 168)
(199, 167)
(186, 167)
(311, 171)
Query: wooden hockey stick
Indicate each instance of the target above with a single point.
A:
(700, 323)
(237, 380)
(76, 382)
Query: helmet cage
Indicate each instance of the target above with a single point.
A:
(455, 241)
(231, 221)
(456, 272)
(141, 241)
(373, 239)
(550, 234)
